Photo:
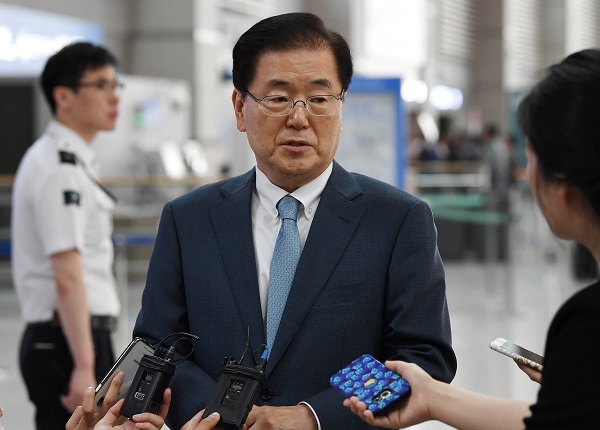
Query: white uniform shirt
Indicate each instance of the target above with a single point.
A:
(57, 206)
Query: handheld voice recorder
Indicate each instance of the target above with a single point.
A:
(151, 379)
(128, 363)
(236, 392)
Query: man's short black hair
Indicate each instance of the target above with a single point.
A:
(67, 66)
(286, 32)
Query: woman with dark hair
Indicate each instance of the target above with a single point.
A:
(560, 118)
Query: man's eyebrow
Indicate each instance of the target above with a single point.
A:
(277, 83)
(322, 83)
(280, 83)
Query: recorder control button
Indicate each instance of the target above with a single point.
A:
(266, 394)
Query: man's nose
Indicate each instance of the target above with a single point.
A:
(298, 117)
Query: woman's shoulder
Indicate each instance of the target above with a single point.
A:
(588, 297)
(582, 309)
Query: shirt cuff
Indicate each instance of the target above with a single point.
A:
(314, 413)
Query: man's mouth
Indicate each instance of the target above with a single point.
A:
(295, 143)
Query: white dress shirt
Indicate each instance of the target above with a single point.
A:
(266, 223)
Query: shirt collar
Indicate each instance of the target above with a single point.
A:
(308, 195)
(70, 141)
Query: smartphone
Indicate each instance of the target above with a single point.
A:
(128, 362)
(518, 353)
(373, 383)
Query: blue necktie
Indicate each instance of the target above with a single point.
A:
(283, 265)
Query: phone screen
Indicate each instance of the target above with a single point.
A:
(128, 362)
(523, 352)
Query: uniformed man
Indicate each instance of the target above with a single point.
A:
(61, 231)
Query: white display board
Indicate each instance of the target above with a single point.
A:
(373, 138)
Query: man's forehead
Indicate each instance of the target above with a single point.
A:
(276, 54)
(100, 71)
(280, 69)
(317, 82)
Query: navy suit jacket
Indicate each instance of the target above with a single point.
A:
(369, 280)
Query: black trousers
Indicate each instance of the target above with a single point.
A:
(46, 366)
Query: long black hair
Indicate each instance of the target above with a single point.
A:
(560, 118)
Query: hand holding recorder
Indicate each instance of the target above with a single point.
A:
(109, 417)
(127, 363)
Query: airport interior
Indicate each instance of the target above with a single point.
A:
(436, 81)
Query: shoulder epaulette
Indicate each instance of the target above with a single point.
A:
(67, 157)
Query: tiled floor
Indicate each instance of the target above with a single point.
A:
(515, 300)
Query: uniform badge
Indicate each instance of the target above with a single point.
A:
(71, 197)
(67, 157)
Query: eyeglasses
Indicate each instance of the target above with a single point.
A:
(103, 85)
(319, 105)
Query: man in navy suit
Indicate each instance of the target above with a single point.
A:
(369, 278)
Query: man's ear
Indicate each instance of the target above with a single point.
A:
(238, 108)
(62, 96)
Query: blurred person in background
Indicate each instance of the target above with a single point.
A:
(559, 118)
(61, 237)
(498, 157)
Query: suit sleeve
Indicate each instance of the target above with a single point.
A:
(164, 311)
(417, 324)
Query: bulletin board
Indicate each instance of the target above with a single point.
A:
(373, 140)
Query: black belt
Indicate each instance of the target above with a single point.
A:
(97, 322)
(104, 322)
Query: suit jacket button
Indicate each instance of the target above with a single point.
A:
(266, 394)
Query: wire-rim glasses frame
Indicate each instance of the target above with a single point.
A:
(103, 85)
(317, 105)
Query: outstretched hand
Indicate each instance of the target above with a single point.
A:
(411, 411)
(109, 417)
(197, 423)
(144, 421)
(84, 417)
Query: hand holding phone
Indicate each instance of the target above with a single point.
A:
(373, 383)
(128, 362)
(518, 353)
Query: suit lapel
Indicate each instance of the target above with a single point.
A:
(232, 221)
(332, 228)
